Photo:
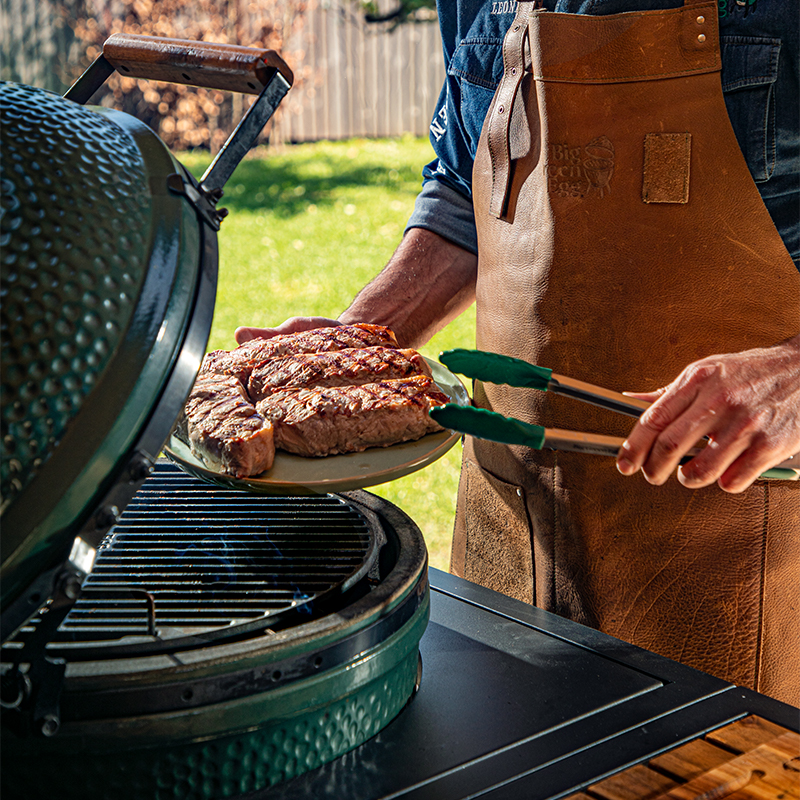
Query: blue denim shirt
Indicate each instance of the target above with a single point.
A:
(760, 42)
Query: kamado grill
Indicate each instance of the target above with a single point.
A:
(224, 642)
(163, 636)
(166, 637)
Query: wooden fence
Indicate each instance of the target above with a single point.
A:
(362, 79)
(354, 78)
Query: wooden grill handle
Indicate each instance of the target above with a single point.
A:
(229, 67)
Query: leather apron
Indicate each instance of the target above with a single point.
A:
(621, 237)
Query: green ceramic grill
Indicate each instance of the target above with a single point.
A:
(163, 637)
(109, 276)
(302, 644)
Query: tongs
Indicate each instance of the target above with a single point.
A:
(500, 369)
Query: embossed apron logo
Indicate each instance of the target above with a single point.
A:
(574, 171)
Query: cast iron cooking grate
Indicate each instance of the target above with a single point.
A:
(189, 558)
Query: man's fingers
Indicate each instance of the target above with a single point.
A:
(242, 335)
(745, 403)
(675, 441)
(747, 468)
(708, 466)
(737, 457)
(651, 425)
(648, 396)
(291, 325)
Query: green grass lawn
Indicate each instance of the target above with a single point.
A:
(309, 225)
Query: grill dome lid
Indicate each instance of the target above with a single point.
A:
(76, 226)
(110, 263)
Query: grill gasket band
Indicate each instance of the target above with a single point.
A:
(125, 701)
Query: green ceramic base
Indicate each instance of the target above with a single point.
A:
(299, 728)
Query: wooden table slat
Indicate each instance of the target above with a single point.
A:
(746, 734)
(757, 775)
(691, 759)
(635, 783)
(751, 759)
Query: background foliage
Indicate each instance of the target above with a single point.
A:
(188, 117)
(398, 12)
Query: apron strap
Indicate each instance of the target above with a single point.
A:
(514, 47)
(504, 111)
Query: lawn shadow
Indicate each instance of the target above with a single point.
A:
(286, 187)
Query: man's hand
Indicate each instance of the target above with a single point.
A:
(291, 325)
(747, 404)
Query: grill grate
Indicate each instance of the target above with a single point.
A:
(188, 557)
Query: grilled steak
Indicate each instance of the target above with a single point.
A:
(346, 419)
(349, 367)
(240, 362)
(322, 392)
(223, 428)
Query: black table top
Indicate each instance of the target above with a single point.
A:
(517, 702)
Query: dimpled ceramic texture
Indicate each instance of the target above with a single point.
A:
(73, 234)
(290, 741)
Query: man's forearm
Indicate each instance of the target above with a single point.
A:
(427, 283)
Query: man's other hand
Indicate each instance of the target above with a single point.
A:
(747, 404)
(291, 325)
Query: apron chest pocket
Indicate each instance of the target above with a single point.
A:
(749, 71)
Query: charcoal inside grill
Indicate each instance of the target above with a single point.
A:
(188, 559)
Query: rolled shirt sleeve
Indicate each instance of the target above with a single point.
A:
(446, 212)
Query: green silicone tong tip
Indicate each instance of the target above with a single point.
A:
(490, 425)
(496, 368)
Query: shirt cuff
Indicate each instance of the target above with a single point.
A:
(444, 211)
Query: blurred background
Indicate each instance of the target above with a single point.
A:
(319, 206)
(359, 70)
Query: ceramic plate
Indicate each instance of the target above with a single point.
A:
(296, 475)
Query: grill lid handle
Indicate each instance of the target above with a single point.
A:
(215, 66)
(229, 67)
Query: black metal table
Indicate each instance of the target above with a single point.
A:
(516, 702)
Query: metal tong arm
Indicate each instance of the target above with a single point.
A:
(501, 369)
(497, 368)
(597, 396)
(485, 424)
(600, 445)
(632, 407)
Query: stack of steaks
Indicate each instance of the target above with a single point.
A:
(322, 392)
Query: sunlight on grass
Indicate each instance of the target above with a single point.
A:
(309, 225)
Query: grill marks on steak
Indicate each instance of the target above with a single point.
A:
(241, 361)
(223, 427)
(317, 393)
(350, 367)
(347, 419)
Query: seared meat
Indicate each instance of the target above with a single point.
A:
(223, 428)
(331, 390)
(345, 419)
(240, 362)
(351, 367)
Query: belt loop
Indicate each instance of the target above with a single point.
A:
(503, 103)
